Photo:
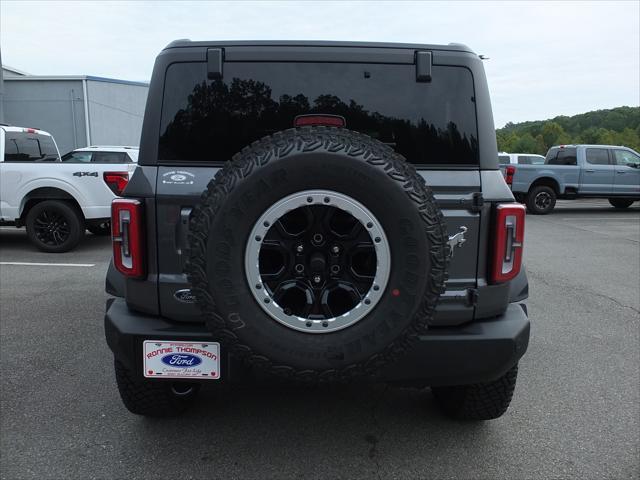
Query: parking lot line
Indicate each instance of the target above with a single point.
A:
(36, 264)
(599, 218)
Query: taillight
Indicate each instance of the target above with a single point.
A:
(116, 181)
(127, 236)
(508, 242)
(312, 119)
(509, 172)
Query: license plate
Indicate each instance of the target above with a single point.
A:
(177, 359)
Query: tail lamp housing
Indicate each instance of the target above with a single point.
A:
(509, 172)
(509, 242)
(127, 236)
(116, 181)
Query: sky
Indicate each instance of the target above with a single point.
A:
(545, 58)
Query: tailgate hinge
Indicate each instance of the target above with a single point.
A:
(473, 204)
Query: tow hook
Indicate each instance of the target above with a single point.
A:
(457, 240)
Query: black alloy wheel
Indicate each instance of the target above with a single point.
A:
(54, 226)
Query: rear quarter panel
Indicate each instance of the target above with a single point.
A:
(84, 182)
(566, 176)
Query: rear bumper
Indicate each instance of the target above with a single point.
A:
(476, 352)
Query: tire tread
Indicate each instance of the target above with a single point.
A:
(481, 401)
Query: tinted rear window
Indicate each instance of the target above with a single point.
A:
(561, 156)
(29, 147)
(428, 123)
(110, 157)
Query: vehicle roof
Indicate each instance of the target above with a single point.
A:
(532, 154)
(590, 145)
(13, 128)
(183, 43)
(106, 148)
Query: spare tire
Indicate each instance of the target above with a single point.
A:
(317, 254)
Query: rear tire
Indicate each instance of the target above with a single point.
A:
(153, 399)
(541, 200)
(481, 401)
(54, 226)
(621, 202)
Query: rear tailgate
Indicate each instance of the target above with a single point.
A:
(179, 189)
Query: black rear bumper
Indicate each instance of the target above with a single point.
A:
(476, 352)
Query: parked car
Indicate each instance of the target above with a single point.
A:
(520, 158)
(317, 212)
(58, 200)
(578, 171)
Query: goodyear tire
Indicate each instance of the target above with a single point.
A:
(320, 320)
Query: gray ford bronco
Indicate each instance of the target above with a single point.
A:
(317, 212)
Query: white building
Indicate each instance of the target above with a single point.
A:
(77, 110)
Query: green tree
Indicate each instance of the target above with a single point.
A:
(541, 147)
(551, 133)
(525, 144)
(617, 126)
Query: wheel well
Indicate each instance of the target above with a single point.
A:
(45, 193)
(546, 181)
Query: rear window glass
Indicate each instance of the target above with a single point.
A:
(429, 123)
(562, 156)
(597, 156)
(29, 147)
(110, 157)
(504, 159)
(77, 157)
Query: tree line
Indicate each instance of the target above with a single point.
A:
(617, 126)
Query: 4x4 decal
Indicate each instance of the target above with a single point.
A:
(85, 174)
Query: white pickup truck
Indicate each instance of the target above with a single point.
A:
(55, 198)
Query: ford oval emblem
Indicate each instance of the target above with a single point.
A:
(181, 360)
(178, 177)
(185, 296)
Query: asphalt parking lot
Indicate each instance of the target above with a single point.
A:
(576, 411)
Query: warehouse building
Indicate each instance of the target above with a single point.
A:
(77, 110)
